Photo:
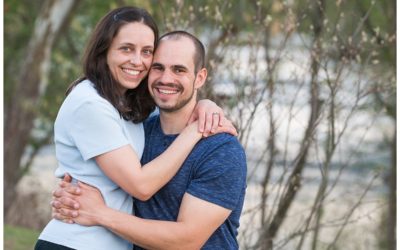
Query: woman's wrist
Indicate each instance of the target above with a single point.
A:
(193, 130)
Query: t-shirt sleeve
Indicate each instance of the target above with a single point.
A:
(220, 178)
(96, 129)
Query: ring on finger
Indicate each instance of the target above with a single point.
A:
(215, 113)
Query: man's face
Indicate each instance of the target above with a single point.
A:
(172, 78)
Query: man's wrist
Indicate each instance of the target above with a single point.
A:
(103, 217)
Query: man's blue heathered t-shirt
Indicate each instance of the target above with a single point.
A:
(214, 171)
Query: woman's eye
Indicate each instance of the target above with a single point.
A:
(148, 52)
(125, 49)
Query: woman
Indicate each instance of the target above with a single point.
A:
(98, 132)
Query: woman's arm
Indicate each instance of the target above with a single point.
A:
(209, 115)
(123, 165)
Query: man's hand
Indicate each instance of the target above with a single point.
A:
(91, 205)
(64, 204)
(77, 203)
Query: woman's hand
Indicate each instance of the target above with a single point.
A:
(226, 127)
(211, 119)
(209, 116)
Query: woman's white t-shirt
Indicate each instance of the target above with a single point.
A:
(87, 125)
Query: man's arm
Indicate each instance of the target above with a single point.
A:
(196, 221)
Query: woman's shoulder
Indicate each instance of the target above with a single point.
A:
(84, 88)
(86, 93)
(84, 99)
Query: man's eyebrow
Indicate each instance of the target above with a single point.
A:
(179, 66)
(156, 64)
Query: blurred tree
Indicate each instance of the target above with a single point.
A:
(28, 86)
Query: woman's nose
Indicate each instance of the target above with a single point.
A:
(136, 59)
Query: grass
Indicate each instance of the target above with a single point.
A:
(19, 238)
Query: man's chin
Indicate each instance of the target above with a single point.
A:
(167, 109)
(171, 106)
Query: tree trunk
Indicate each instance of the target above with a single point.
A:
(31, 84)
(392, 218)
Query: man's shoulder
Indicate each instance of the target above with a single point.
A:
(221, 139)
(222, 145)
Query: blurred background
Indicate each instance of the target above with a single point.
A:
(309, 84)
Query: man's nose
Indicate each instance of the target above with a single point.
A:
(166, 77)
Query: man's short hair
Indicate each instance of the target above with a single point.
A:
(199, 54)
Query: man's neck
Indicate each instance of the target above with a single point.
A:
(174, 122)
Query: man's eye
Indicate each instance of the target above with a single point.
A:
(126, 49)
(156, 68)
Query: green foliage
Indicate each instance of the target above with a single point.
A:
(19, 238)
(355, 28)
(19, 17)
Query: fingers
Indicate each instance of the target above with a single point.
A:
(67, 178)
(59, 216)
(64, 197)
(69, 188)
(208, 124)
(213, 121)
(209, 115)
(216, 121)
(88, 189)
(227, 127)
(55, 204)
(68, 202)
(67, 213)
(64, 202)
(202, 120)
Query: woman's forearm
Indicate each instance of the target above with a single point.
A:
(159, 171)
(123, 165)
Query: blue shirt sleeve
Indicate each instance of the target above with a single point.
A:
(97, 129)
(220, 177)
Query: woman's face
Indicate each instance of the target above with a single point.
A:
(130, 54)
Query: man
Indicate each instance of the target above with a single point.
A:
(200, 207)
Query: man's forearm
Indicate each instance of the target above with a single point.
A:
(150, 234)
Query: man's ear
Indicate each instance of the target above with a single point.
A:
(201, 77)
